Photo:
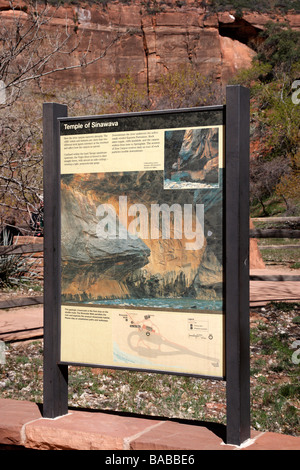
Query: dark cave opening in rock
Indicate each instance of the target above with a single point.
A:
(242, 31)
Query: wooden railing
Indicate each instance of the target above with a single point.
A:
(24, 247)
(21, 249)
(290, 233)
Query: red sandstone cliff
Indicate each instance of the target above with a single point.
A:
(152, 42)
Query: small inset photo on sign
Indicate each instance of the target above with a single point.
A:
(192, 158)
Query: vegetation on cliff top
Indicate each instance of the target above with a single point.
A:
(239, 6)
(252, 5)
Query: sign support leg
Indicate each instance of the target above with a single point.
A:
(237, 264)
(55, 375)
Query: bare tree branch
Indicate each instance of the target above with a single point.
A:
(29, 52)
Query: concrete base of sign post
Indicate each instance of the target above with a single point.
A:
(23, 427)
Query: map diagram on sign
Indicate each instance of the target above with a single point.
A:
(159, 340)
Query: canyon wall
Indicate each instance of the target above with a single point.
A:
(151, 42)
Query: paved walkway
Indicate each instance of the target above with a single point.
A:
(21, 323)
(263, 292)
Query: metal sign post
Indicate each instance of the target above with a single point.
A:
(237, 264)
(55, 375)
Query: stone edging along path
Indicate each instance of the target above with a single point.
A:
(22, 425)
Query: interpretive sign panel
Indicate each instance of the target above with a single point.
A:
(142, 241)
(146, 247)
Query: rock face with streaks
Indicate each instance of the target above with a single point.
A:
(136, 267)
(82, 242)
(95, 267)
(91, 262)
(152, 39)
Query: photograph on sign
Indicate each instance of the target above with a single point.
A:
(191, 158)
(142, 242)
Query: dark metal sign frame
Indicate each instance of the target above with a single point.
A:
(236, 261)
